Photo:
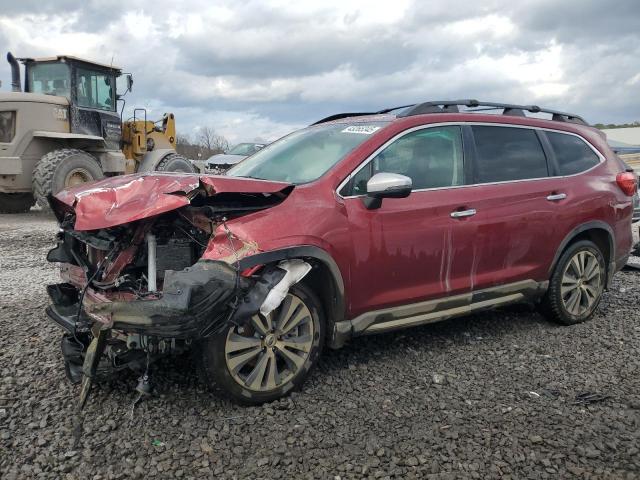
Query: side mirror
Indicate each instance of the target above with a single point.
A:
(129, 82)
(386, 185)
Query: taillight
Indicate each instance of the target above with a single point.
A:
(628, 182)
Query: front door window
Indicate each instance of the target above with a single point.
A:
(431, 157)
(95, 89)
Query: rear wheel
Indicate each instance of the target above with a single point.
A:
(176, 163)
(16, 202)
(577, 284)
(268, 357)
(61, 169)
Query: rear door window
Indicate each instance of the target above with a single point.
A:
(508, 153)
(573, 155)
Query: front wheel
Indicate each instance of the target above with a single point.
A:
(577, 284)
(268, 357)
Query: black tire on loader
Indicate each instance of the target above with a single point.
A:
(16, 202)
(64, 168)
(175, 162)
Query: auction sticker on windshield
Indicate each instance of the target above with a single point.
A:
(364, 129)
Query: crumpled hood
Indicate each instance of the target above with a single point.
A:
(127, 198)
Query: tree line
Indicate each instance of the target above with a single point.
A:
(621, 125)
(205, 143)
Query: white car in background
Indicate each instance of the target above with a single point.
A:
(223, 161)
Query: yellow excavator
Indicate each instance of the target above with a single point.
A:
(63, 129)
(142, 136)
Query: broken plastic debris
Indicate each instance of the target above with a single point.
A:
(296, 270)
(534, 394)
(633, 263)
(439, 379)
(585, 398)
(144, 385)
(550, 392)
(157, 443)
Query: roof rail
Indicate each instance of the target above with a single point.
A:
(448, 106)
(451, 106)
(338, 116)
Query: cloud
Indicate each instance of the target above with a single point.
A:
(258, 69)
(283, 44)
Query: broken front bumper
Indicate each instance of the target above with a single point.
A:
(194, 301)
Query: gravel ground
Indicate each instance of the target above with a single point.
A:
(488, 396)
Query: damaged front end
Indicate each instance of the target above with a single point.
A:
(135, 286)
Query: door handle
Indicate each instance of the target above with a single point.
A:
(554, 197)
(463, 213)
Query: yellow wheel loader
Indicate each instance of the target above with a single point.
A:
(63, 129)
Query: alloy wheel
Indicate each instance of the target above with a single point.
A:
(268, 351)
(581, 283)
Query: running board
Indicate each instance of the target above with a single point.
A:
(441, 314)
(432, 311)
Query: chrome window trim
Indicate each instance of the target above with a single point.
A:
(461, 124)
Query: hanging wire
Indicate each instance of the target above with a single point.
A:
(84, 291)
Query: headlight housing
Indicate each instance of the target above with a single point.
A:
(7, 126)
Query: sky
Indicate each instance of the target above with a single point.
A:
(256, 70)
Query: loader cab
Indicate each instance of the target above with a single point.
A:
(90, 88)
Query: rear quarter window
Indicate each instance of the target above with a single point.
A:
(573, 155)
(507, 153)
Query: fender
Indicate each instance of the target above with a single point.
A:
(593, 225)
(69, 136)
(308, 251)
(151, 159)
(111, 161)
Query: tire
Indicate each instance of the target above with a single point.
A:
(16, 202)
(573, 296)
(64, 168)
(175, 163)
(215, 361)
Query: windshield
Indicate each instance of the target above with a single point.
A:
(307, 154)
(50, 79)
(245, 149)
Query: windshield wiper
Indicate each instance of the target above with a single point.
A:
(249, 176)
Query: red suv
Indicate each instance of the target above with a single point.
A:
(361, 223)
